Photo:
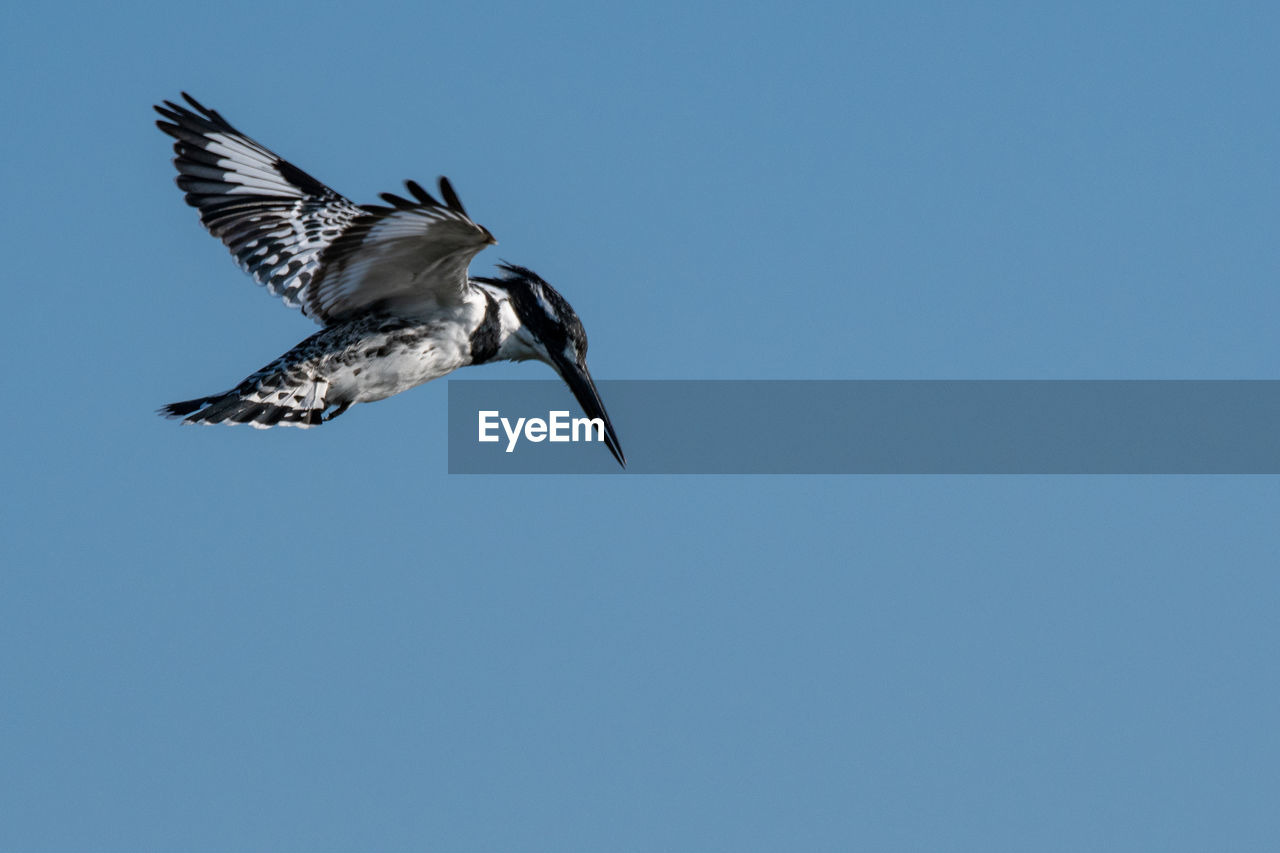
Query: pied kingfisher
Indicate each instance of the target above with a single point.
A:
(388, 283)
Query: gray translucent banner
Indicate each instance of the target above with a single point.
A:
(872, 427)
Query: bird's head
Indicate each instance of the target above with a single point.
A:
(549, 330)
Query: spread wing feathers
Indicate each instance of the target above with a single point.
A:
(306, 243)
(275, 218)
(406, 257)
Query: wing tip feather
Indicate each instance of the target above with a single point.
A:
(416, 190)
(397, 202)
(451, 197)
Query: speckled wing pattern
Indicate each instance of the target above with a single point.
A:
(309, 245)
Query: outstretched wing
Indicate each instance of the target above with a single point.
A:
(407, 258)
(306, 243)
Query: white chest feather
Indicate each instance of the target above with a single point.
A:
(384, 364)
(404, 368)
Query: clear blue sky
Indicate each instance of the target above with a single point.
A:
(225, 639)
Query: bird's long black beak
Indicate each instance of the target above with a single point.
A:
(578, 378)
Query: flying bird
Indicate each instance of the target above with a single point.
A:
(389, 283)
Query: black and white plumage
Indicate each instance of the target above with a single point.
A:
(389, 283)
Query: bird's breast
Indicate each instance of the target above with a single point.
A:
(382, 362)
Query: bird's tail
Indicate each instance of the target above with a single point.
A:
(262, 403)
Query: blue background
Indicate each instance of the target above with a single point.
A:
(225, 639)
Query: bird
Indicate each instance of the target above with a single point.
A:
(388, 283)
